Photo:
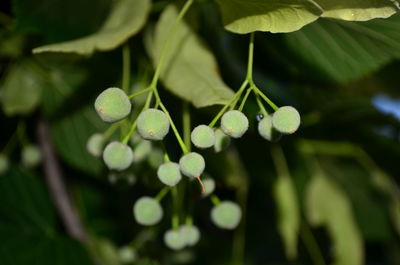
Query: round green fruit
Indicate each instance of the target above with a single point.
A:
(222, 141)
(192, 165)
(95, 144)
(113, 105)
(141, 150)
(174, 239)
(156, 158)
(31, 156)
(234, 123)
(191, 234)
(4, 163)
(209, 186)
(266, 130)
(169, 173)
(117, 156)
(147, 211)
(203, 136)
(153, 124)
(286, 120)
(226, 215)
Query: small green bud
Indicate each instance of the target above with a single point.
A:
(117, 156)
(141, 150)
(31, 156)
(95, 144)
(153, 124)
(113, 105)
(209, 186)
(203, 136)
(266, 130)
(156, 158)
(192, 165)
(127, 254)
(286, 120)
(169, 173)
(222, 141)
(174, 239)
(147, 211)
(191, 234)
(226, 215)
(234, 123)
(4, 163)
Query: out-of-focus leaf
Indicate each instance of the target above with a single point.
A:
(342, 51)
(70, 136)
(21, 89)
(358, 10)
(125, 20)
(327, 205)
(245, 16)
(11, 45)
(190, 70)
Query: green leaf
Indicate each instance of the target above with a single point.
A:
(288, 214)
(245, 16)
(327, 205)
(343, 51)
(21, 89)
(358, 10)
(190, 70)
(70, 136)
(125, 20)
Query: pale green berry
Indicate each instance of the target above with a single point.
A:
(174, 239)
(234, 123)
(4, 163)
(222, 141)
(95, 144)
(31, 156)
(192, 165)
(156, 158)
(203, 136)
(147, 211)
(286, 120)
(209, 186)
(169, 173)
(113, 105)
(191, 234)
(117, 156)
(266, 130)
(141, 150)
(153, 124)
(226, 215)
(127, 254)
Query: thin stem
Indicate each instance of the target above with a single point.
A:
(162, 193)
(203, 189)
(147, 89)
(126, 67)
(189, 220)
(110, 130)
(186, 125)
(259, 92)
(245, 99)
(175, 216)
(215, 200)
(260, 105)
(250, 59)
(311, 245)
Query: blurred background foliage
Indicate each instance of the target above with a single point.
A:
(327, 195)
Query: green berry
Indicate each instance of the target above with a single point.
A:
(222, 141)
(191, 234)
(127, 254)
(226, 215)
(4, 163)
(234, 123)
(169, 173)
(153, 124)
(147, 211)
(141, 150)
(156, 158)
(113, 105)
(95, 144)
(192, 165)
(203, 136)
(174, 239)
(31, 156)
(209, 186)
(266, 130)
(117, 156)
(286, 120)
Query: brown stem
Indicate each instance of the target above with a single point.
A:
(56, 185)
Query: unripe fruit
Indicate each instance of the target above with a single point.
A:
(95, 144)
(222, 141)
(113, 105)
(153, 124)
(156, 158)
(174, 239)
(147, 211)
(192, 165)
(226, 215)
(141, 150)
(266, 130)
(191, 234)
(127, 254)
(203, 136)
(286, 120)
(4, 163)
(31, 156)
(169, 173)
(209, 186)
(234, 123)
(117, 156)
